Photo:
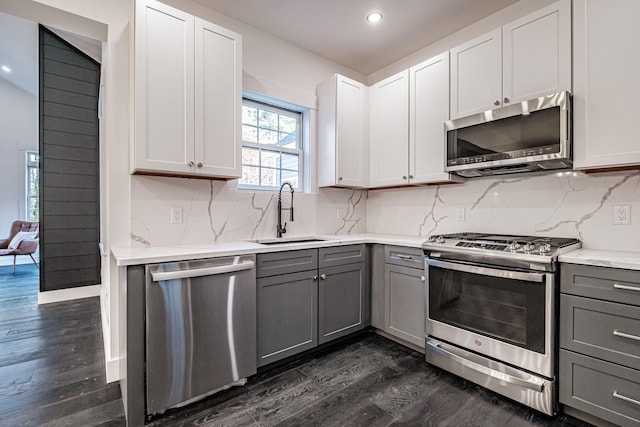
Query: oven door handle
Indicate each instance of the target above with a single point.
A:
(520, 382)
(485, 271)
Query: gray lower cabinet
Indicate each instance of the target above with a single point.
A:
(398, 292)
(341, 301)
(309, 297)
(287, 315)
(599, 365)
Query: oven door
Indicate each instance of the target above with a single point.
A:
(504, 314)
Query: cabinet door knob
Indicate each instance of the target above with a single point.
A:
(200, 164)
(424, 279)
(506, 100)
(191, 163)
(323, 276)
(404, 177)
(315, 277)
(497, 102)
(410, 176)
(339, 178)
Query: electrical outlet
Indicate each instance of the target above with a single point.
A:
(622, 214)
(460, 214)
(176, 215)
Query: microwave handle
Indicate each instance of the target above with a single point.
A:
(485, 271)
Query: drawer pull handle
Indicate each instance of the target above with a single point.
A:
(624, 335)
(626, 288)
(625, 398)
(402, 257)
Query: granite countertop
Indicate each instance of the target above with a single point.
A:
(603, 258)
(125, 256)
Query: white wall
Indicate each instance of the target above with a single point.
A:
(216, 211)
(271, 67)
(19, 130)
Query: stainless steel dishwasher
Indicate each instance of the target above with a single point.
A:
(200, 328)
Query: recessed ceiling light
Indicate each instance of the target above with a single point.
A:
(374, 17)
(6, 69)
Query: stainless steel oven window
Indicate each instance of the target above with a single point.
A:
(508, 309)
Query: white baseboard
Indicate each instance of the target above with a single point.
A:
(112, 366)
(59, 295)
(113, 370)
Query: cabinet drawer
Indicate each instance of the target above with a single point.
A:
(275, 263)
(406, 257)
(599, 388)
(605, 330)
(341, 255)
(612, 284)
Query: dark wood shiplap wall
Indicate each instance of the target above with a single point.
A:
(69, 165)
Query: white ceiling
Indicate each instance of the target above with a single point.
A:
(19, 51)
(337, 29)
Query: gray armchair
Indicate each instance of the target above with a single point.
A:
(26, 246)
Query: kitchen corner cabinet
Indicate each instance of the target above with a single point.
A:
(606, 89)
(389, 131)
(599, 371)
(398, 293)
(524, 59)
(343, 128)
(187, 95)
(408, 111)
(309, 297)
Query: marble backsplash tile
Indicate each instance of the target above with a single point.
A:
(571, 204)
(216, 211)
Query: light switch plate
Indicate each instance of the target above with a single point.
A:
(176, 215)
(460, 214)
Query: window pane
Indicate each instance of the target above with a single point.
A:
(268, 137)
(291, 177)
(249, 133)
(250, 175)
(270, 159)
(288, 140)
(250, 156)
(289, 161)
(268, 120)
(270, 177)
(249, 115)
(266, 130)
(288, 124)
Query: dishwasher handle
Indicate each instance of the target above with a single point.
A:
(199, 272)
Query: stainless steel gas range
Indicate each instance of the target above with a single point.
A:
(491, 305)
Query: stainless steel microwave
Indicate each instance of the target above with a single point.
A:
(522, 137)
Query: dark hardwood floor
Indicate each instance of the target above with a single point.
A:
(52, 368)
(52, 373)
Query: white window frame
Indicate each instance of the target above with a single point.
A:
(28, 166)
(278, 107)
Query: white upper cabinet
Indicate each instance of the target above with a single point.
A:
(218, 100)
(537, 54)
(428, 109)
(188, 94)
(343, 127)
(525, 59)
(606, 83)
(389, 131)
(408, 111)
(476, 75)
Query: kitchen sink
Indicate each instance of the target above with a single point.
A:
(288, 240)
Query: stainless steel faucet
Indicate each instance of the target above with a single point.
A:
(283, 229)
